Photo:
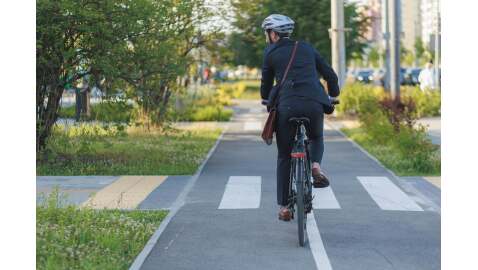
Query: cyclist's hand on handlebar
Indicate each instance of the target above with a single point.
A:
(334, 100)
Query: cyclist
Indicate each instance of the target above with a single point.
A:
(305, 98)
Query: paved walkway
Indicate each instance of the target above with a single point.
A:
(367, 219)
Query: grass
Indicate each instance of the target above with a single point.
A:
(391, 158)
(95, 150)
(205, 113)
(252, 90)
(73, 238)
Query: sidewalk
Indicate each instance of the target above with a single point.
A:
(367, 219)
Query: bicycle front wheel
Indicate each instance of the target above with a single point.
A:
(300, 202)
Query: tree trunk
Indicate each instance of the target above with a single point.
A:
(47, 118)
(78, 106)
(86, 108)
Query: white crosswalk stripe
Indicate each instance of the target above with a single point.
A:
(252, 126)
(242, 192)
(387, 195)
(324, 198)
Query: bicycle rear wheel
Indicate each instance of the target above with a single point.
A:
(300, 201)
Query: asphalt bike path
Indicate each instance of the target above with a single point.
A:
(367, 219)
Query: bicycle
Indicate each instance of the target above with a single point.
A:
(300, 186)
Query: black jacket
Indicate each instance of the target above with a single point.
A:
(304, 72)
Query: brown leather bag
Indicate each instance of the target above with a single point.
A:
(269, 127)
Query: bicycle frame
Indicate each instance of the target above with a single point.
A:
(300, 151)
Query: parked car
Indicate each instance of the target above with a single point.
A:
(364, 76)
(411, 76)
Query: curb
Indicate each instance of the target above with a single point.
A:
(178, 203)
(413, 192)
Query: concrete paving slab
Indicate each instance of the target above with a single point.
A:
(77, 189)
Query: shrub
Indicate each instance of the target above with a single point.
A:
(390, 127)
(106, 111)
(428, 102)
(203, 113)
(354, 96)
(211, 113)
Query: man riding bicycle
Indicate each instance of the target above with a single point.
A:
(306, 98)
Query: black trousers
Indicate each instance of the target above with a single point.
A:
(285, 133)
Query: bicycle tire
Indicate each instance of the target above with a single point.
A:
(301, 216)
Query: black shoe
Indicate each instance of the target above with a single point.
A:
(320, 180)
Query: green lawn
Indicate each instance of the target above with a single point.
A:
(94, 150)
(73, 238)
(392, 159)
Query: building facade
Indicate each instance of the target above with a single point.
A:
(430, 12)
(411, 26)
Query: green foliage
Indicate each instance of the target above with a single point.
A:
(389, 132)
(252, 90)
(374, 57)
(212, 113)
(141, 47)
(73, 238)
(356, 97)
(414, 157)
(428, 102)
(90, 149)
(312, 20)
(203, 113)
(106, 111)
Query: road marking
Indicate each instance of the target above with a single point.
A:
(257, 110)
(387, 195)
(242, 192)
(253, 126)
(324, 198)
(316, 245)
(125, 193)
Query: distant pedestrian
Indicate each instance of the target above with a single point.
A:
(427, 77)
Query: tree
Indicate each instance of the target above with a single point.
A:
(139, 46)
(312, 21)
(374, 57)
(74, 39)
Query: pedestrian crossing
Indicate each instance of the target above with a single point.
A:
(244, 192)
(387, 195)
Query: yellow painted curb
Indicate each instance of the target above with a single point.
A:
(125, 193)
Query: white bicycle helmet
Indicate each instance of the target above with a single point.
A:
(278, 23)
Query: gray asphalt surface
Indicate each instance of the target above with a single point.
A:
(359, 235)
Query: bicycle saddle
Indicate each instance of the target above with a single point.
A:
(299, 120)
